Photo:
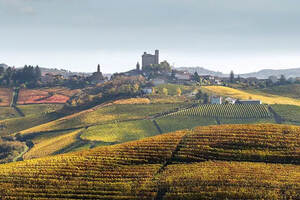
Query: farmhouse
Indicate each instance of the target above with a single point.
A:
(147, 90)
(158, 81)
(215, 100)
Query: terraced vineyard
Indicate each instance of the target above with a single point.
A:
(237, 111)
(215, 162)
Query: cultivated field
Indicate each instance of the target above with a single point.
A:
(121, 131)
(215, 162)
(8, 112)
(103, 115)
(239, 94)
(227, 111)
(5, 96)
(45, 95)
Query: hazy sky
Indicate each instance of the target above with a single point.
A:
(243, 35)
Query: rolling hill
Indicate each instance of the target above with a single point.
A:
(214, 162)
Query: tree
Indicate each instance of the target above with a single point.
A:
(231, 78)
(178, 92)
(282, 80)
(205, 98)
(199, 94)
(165, 91)
(196, 77)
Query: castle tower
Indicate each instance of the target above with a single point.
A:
(156, 56)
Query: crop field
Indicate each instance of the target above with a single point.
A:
(121, 132)
(103, 115)
(227, 111)
(44, 96)
(34, 109)
(167, 167)
(5, 96)
(173, 123)
(240, 94)
(8, 112)
(289, 113)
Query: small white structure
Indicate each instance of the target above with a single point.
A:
(248, 102)
(230, 100)
(147, 90)
(183, 76)
(215, 100)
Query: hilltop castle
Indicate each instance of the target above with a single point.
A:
(149, 59)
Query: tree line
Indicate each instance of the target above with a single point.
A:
(28, 76)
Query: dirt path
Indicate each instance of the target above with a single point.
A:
(20, 156)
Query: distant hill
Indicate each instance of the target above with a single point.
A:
(201, 71)
(4, 65)
(265, 73)
(65, 73)
(262, 74)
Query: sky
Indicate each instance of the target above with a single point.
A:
(220, 35)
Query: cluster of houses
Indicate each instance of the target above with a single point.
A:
(229, 100)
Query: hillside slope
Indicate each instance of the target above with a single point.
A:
(214, 162)
(240, 94)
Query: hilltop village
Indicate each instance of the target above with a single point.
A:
(153, 72)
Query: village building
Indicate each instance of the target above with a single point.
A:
(215, 100)
(158, 81)
(147, 90)
(230, 100)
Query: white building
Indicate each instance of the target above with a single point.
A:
(215, 100)
(147, 90)
(158, 81)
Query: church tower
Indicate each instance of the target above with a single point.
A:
(98, 69)
(138, 67)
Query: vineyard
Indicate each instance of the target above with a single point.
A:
(236, 111)
(215, 162)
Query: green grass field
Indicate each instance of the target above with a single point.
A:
(33, 109)
(104, 115)
(121, 132)
(289, 113)
(173, 123)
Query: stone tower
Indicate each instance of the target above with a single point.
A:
(149, 59)
(98, 69)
